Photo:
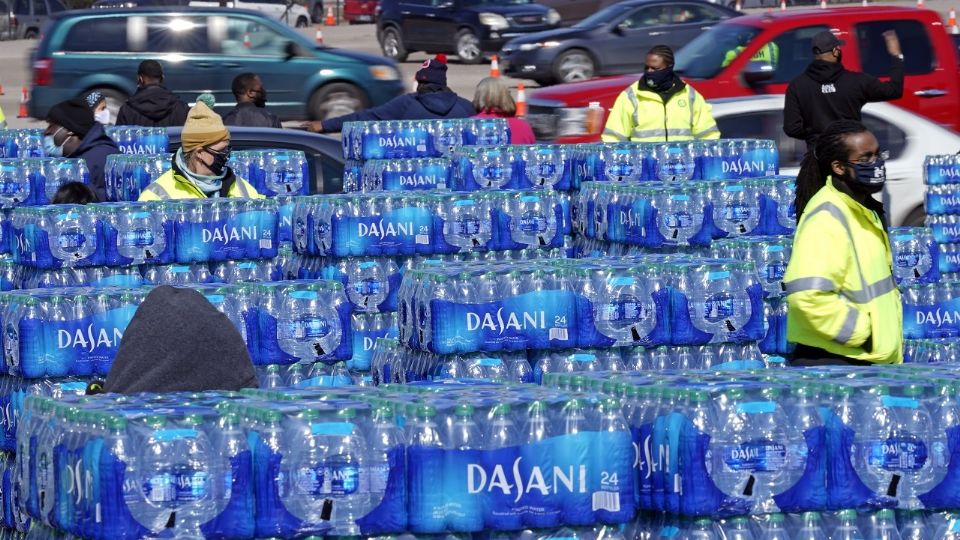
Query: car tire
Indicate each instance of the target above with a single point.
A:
(31, 33)
(302, 22)
(468, 47)
(115, 99)
(574, 65)
(916, 218)
(336, 99)
(391, 43)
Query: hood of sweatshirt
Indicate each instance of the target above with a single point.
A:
(155, 102)
(439, 103)
(825, 72)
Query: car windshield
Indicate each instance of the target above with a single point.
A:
(705, 56)
(469, 3)
(604, 16)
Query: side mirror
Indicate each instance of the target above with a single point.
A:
(448, 5)
(758, 73)
(620, 29)
(290, 51)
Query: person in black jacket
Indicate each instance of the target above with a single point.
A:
(72, 132)
(432, 100)
(826, 92)
(152, 105)
(251, 104)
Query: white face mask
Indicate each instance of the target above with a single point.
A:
(102, 117)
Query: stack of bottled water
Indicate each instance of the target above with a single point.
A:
(932, 310)
(184, 231)
(34, 181)
(426, 459)
(788, 440)
(21, 143)
(590, 303)
(416, 174)
(483, 168)
(140, 140)
(942, 176)
(666, 216)
(771, 254)
(931, 351)
(273, 172)
(127, 175)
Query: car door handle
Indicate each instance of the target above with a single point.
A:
(232, 65)
(202, 65)
(706, 27)
(930, 92)
(404, 12)
(656, 33)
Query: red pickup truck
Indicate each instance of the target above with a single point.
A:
(931, 87)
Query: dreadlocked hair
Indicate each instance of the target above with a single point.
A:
(663, 51)
(830, 146)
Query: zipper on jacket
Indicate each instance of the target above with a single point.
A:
(666, 134)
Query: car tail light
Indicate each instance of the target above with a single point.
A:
(43, 72)
(13, 21)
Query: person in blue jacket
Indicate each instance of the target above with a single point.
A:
(433, 99)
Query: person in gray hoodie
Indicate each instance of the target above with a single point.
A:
(178, 342)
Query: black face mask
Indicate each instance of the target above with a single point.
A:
(658, 80)
(220, 160)
(869, 178)
(839, 56)
(261, 99)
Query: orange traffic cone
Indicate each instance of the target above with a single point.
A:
(494, 66)
(739, 6)
(330, 21)
(521, 100)
(319, 35)
(951, 27)
(23, 103)
(2, 91)
(246, 41)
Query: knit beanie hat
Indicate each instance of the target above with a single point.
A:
(202, 128)
(73, 114)
(433, 71)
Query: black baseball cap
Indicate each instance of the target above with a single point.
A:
(826, 41)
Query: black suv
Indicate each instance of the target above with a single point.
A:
(467, 28)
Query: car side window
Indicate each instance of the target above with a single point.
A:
(56, 6)
(648, 16)
(914, 40)
(890, 137)
(40, 8)
(793, 52)
(247, 37)
(102, 34)
(184, 35)
(764, 125)
(21, 7)
(693, 13)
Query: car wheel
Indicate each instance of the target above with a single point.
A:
(336, 99)
(574, 65)
(392, 45)
(115, 99)
(468, 48)
(916, 218)
(31, 33)
(302, 22)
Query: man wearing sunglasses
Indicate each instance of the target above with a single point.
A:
(199, 169)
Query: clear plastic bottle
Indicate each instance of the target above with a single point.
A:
(425, 462)
(738, 528)
(847, 529)
(773, 528)
(811, 528)
(883, 525)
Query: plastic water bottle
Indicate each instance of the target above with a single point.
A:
(736, 208)
(675, 162)
(883, 525)
(308, 326)
(773, 528)
(466, 443)
(738, 528)
(700, 529)
(386, 450)
(812, 528)
(847, 529)
(913, 526)
(533, 220)
(467, 222)
(425, 462)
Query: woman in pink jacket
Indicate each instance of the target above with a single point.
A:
(493, 100)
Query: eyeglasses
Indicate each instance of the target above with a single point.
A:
(225, 152)
(883, 154)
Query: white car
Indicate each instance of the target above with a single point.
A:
(288, 12)
(908, 137)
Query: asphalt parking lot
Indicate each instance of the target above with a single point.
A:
(15, 72)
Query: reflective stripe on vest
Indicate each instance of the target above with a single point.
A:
(158, 190)
(242, 188)
(612, 133)
(848, 327)
(691, 96)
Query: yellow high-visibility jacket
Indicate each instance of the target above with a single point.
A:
(173, 186)
(641, 116)
(769, 54)
(839, 283)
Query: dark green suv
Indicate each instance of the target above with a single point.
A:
(202, 50)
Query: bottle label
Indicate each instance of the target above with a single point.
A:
(427, 177)
(774, 271)
(900, 453)
(137, 238)
(532, 222)
(719, 307)
(909, 258)
(328, 478)
(304, 328)
(174, 488)
(757, 456)
(626, 308)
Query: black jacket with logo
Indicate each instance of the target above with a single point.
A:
(826, 92)
(153, 106)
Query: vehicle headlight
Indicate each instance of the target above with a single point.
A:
(385, 73)
(553, 17)
(539, 45)
(494, 21)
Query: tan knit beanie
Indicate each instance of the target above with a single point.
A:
(202, 128)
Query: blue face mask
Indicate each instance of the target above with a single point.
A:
(50, 147)
(871, 177)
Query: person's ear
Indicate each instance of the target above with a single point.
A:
(838, 168)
